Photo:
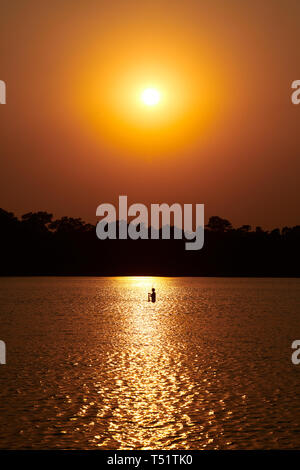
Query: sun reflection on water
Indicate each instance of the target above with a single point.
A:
(151, 389)
(125, 373)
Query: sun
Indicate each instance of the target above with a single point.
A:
(150, 96)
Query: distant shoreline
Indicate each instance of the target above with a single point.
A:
(37, 245)
(150, 275)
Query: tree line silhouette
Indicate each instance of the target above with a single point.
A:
(35, 244)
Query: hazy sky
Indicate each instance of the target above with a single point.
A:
(74, 134)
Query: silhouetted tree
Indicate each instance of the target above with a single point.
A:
(37, 245)
(244, 228)
(70, 225)
(37, 221)
(217, 224)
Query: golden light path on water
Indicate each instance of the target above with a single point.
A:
(153, 389)
(147, 380)
(93, 364)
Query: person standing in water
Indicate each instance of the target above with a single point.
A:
(152, 295)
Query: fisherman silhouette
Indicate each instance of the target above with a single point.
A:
(152, 296)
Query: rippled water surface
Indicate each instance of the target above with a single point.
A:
(91, 364)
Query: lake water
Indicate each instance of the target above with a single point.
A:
(92, 365)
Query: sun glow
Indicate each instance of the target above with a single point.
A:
(150, 96)
(143, 110)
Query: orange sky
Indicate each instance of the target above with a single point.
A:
(73, 133)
